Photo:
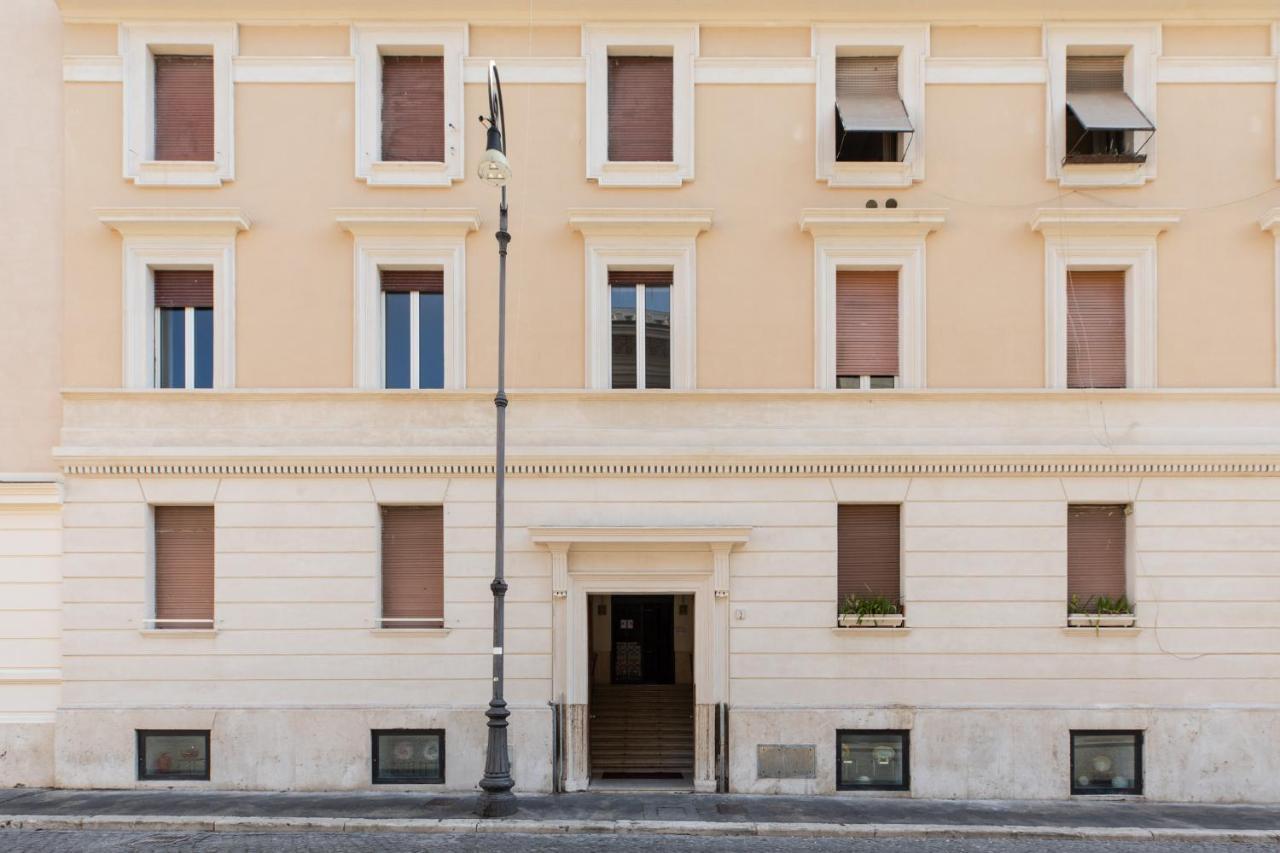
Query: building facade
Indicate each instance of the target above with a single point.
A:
(893, 396)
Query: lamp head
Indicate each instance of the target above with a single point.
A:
(494, 168)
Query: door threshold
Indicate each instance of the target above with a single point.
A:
(681, 785)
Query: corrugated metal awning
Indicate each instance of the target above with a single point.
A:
(872, 114)
(1098, 109)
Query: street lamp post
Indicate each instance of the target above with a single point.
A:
(496, 798)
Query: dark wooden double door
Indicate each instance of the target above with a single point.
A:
(643, 639)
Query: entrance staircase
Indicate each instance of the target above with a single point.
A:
(642, 731)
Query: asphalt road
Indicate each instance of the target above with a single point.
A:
(49, 841)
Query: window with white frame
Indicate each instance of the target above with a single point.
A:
(640, 104)
(412, 328)
(178, 103)
(409, 128)
(870, 104)
(640, 328)
(1101, 117)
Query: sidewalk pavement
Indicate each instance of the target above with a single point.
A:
(636, 813)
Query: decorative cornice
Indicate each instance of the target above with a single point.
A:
(754, 70)
(1104, 221)
(21, 492)
(293, 69)
(92, 69)
(734, 535)
(1271, 221)
(640, 221)
(1216, 69)
(871, 222)
(528, 69)
(408, 221)
(186, 221)
(971, 70)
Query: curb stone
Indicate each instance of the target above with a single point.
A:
(432, 826)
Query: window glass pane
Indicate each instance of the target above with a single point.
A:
(396, 339)
(883, 381)
(848, 381)
(657, 337)
(1105, 762)
(408, 756)
(173, 755)
(622, 301)
(430, 340)
(872, 760)
(172, 348)
(204, 347)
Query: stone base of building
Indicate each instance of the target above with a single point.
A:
(26, 754)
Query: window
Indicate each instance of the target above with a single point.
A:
(1101, 118)
(182, 579)
(178, 103)
(1106, 762)
(173, 755)
(412, 566)
(409, 126)
(871, 119)
(1095, 329)
(408, 756)
(1096, 555)
(640, 108)
(866, 328)
(869, 553)
(873, 760)
(640, 104)
(413, 108)
(640, 312)
(183, 107)
(183, 328)
(413, 328)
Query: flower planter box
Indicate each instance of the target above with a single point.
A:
(885, 620)
(1100, 620)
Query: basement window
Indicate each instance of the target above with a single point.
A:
(408, 756)
(166, 755)
(873, 760)
(1106, 762)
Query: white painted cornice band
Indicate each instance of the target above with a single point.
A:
(185, 221)
(871, 222)
(293, 69)
(408, 221)
(21, 492)
(640, 222)
(716, 535)
(527, 69)
(1104, 221)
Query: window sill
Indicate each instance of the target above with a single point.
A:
(1092, 621)
(879, 622)
(409, 173)
(871, 175)
(866, 631)
(1086, 175)
(179, 173)
(642, 173)
(178, 632)
(409, 632)
(1102, 631)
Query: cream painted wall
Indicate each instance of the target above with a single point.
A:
(295, 41)
(1226, 40)
(985, 41)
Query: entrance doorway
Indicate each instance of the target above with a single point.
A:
(641, 703)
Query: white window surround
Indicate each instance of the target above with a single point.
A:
(622, 238)
(872, 239)
(1140, 44)
(910, 43)
(1103, 239)
(138, 43)
(369, 43)
(175, 238)
(1271, 222)
(598, 41)
(408, 238)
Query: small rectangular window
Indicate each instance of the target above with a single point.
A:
(184, 107)
(868, 554)
(1106, 762)
(413, 328)
(413, 109)
(408, 756)
(871, 119)
(412, 566)
(183, 328)
(173, 755)
(866, 328)
(873, 760)
(1101, 117)
(640, 314)
(1096, 333)
(184, 563)
(1096, 550)
(641, 111)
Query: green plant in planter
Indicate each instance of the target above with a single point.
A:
(871, 605)
(1100, 605)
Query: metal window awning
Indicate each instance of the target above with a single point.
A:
(868, 113)
(1107, 110)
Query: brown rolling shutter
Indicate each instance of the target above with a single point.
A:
(413, 108)
(1095, 551)
(184, 107)
(1093, 73)
(412, 566)
(183, 288)
(869, 551)
(624, 278)
(405, 281)
(184, 566)
(640, 108)
(867, 323)
(1095, 329)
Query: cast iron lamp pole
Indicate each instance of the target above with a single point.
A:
(496, 798)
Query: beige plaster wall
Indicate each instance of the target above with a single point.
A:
(985, 41)
(754, 41)
(1223, 40)
(548, 40)
(279, 40)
